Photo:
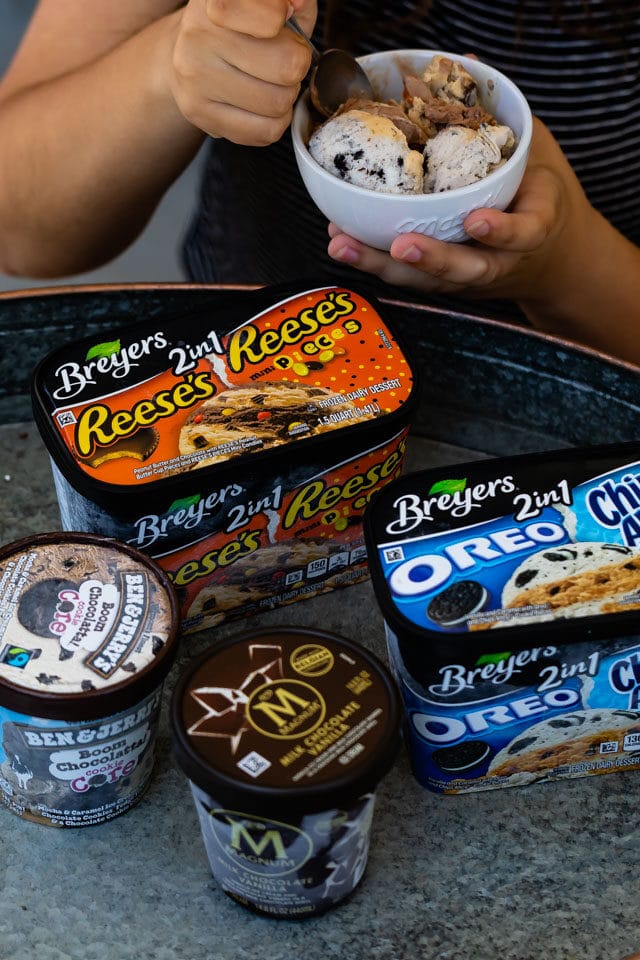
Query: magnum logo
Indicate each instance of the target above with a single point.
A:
(249, 345)
(260, 846)
(286, 709)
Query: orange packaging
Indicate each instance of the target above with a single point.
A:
(237, 446)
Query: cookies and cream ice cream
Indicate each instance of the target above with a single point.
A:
(439, 137)
(576, 579)
(370, 151)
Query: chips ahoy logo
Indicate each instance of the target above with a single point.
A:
(615, 505)
(624, 677)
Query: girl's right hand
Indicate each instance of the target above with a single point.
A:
(236, 69)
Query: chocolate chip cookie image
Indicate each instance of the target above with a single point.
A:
(251, 417)
(577, 579)
(572, 738)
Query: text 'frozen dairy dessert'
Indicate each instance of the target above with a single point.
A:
(238, 445)
(438, 137)
(88, 632)
(284, 737)
(511, 595)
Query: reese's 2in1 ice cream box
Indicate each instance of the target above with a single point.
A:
(237, 446)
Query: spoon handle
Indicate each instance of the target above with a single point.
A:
(293, 24)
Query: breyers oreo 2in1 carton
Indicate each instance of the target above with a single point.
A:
(510, 590)
(238, 446)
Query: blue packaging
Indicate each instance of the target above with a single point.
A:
(510, 590)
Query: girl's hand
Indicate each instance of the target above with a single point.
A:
(236, 69)
(517, 255)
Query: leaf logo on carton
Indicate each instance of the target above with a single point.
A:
(103, 350)
(448, 486)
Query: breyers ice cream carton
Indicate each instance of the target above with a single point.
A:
(511, 595)
(237, 446)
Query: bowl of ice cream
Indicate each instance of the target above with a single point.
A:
(446, 135)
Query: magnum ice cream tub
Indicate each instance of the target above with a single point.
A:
(88, 632)
(510, 590)
(237, 446)
(284, 737)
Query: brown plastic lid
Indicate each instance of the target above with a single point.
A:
(88, 626)
(286, 719)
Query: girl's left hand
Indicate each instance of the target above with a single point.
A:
(515, 253)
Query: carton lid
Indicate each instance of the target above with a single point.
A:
(491, 554)
(258, 372)
(286, 719)
(88, 626)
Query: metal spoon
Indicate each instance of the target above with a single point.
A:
(335, 76)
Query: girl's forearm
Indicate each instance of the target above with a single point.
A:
(593, 297)
(85, 157)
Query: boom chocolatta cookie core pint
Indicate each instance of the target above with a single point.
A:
(88, 633)
(511, 595)
(237, 446)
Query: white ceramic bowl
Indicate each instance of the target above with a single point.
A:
(377, 218)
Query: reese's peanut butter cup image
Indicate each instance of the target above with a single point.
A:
(284, 737)
(88, 632)
(139, 446)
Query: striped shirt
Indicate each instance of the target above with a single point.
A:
(256, 224)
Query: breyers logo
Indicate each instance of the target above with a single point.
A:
(109, 358)
(446, 496)
(186, 513)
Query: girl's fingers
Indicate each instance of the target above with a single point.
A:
(532, 218)
(347, 250)
(454, 263)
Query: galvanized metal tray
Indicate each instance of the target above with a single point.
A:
(487, 385)
(511, 874)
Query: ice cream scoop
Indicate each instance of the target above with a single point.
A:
(336, 76)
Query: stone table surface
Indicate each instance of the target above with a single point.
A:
(546, 872)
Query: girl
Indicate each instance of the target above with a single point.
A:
(99, 115)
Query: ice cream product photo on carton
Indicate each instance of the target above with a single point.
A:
(510, 590)
(237, 446)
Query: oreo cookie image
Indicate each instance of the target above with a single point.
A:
(457, 602)
(464, 756)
